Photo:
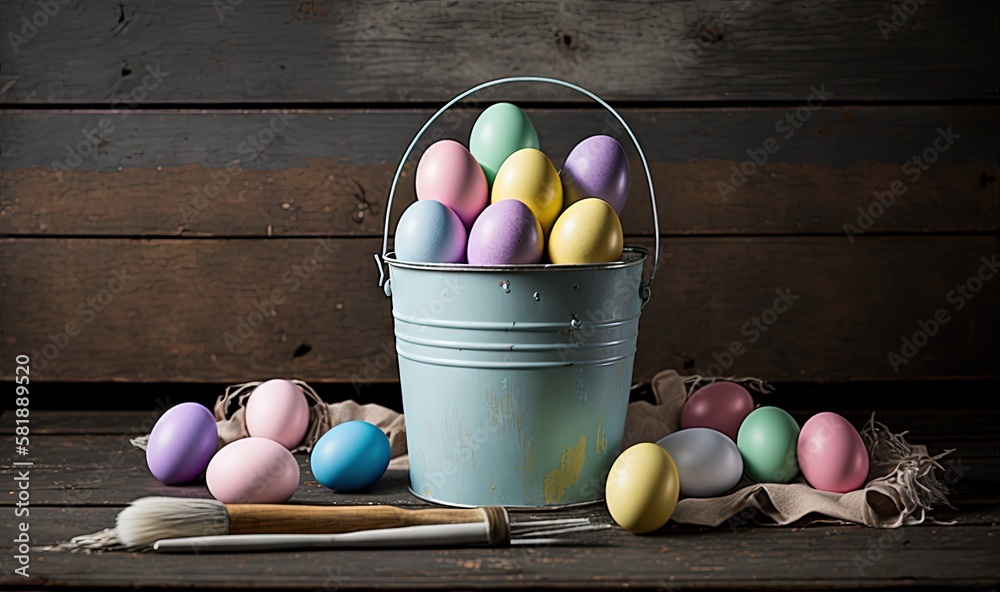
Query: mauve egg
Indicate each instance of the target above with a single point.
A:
(506, 233)
(708, 462)
(448, 173)
(721, 406)
(182, 443)
(430, 232)
(597, 167)
(831, 454)
(253, 471)
(278, 410)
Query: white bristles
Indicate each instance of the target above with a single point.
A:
(150, 519)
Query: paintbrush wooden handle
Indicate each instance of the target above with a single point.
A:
(290, 519)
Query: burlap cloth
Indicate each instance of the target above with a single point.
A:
(903, 481)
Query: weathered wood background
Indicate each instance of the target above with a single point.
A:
(148, 206)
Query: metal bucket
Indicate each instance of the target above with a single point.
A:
(515, 379)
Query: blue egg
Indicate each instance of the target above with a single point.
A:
(351, 456)
(430, 232)
(708, 462)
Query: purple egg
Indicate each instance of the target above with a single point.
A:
(596, 167)
(182, 443)
(506, 233)
(721, 406)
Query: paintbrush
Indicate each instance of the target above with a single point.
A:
(151, 519)
(430, 535)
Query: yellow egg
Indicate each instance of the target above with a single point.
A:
(589, 231)
(642, 488)
(530, 177)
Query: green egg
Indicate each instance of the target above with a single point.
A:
(501, 130)
(767, 440)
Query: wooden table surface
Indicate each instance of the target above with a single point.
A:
(85, 471)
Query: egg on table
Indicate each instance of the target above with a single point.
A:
(767, 440)
(278, 409)
(708, 462)
(642, 488)
(182, 443)
(720, 406)
(831, 454)
(350, 456)
(253, 471)
(501, 130)
(529, 176)
(448, 173)
(430, 232)
(587, 232)
(597, 167)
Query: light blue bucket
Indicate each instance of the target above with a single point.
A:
(515, 379)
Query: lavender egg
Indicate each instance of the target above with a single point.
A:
(506, 233)
(430, 232)
(182, 443)
(596, 167)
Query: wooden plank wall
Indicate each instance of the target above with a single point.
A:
(168, 168)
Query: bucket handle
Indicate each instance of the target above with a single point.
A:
(644, 287)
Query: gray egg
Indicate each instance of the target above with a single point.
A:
(708, 462)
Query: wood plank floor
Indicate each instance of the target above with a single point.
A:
(85, 472)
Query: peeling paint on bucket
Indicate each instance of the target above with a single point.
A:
(515, 379)
(512, 400)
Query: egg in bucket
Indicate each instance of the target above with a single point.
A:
(515, 378)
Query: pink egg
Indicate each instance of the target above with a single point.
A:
(253, 471)
(721, 406)
(448, 173)
(832, 454)
(278, 410)
(506, 233)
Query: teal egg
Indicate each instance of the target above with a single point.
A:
(501, 130)
(767, 440)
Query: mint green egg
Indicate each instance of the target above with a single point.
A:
(501, 130)
(767, 440)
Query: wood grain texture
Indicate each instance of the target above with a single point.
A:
(189, 310)
(736, 556)
(427, 50)
(81, 469)
(820, 558)
(183, 173)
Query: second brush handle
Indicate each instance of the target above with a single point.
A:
(288, 519)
